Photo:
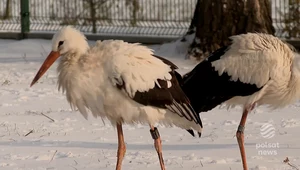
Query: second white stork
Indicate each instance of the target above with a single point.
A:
(255, 69)
(122, 82)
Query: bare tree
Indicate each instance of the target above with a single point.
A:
(96, 10)
(93, 14)
(215, 20)
(7, 13)
(134, 7)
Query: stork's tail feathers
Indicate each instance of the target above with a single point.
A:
(192, 132)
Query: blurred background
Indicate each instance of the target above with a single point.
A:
(153, 21)
(138, 17)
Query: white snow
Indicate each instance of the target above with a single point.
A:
(71, 142)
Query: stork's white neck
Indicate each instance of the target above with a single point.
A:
(294, 84)
(67, 66)
(71, 57)
(296, 65)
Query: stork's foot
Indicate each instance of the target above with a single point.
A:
(240, 140)
(240, 134)
(120, 157)
(121, 147)
(157, 144)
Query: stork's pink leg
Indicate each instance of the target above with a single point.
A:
(121, 147)
(240, 135)
(157, 143)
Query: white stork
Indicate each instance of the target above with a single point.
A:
(122, 82)
(255, 69)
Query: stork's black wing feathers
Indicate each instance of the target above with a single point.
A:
(171, 98)
(172, 65)
(206, 89)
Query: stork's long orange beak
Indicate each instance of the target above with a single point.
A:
(46, 65)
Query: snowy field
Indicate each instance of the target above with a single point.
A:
(66, 141)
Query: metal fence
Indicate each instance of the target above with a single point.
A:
(149, 17)
(136, 17)
(286, 18)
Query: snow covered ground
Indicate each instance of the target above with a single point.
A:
(31, 141)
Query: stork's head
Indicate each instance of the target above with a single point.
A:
(69, 40)
(66, 41)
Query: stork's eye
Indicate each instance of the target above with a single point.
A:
(60, 43)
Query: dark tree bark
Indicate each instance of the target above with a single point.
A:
(216, 20)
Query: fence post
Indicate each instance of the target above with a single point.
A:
(25, 21)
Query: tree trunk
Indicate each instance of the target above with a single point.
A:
(216, 20)
(193, 25)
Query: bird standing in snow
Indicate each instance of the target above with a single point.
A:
(256, 69)
(122, 82)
